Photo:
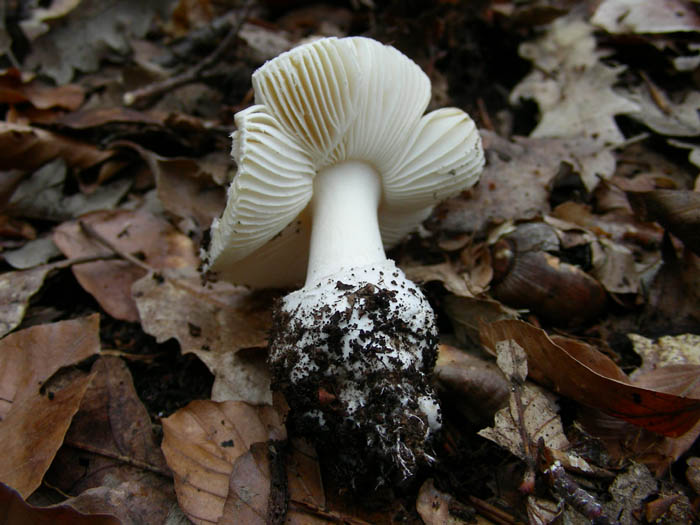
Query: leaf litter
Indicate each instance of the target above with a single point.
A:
(576, 254)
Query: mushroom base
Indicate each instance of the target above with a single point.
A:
(354, 354)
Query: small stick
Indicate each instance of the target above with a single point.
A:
(89, 231)
(190, 75)
(119, 457)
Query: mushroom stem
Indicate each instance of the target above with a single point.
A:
(345, 230)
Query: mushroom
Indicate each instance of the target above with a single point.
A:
(336, 163)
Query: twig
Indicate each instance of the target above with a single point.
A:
(190, 75)
(119, 457)
(493, 513)
(303, 506)
(89, 231)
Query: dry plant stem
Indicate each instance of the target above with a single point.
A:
(195, 72)
(90, 232)
(302, 506)
(124, 459)
(493, 513)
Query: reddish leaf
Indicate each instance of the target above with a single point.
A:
(587, 376)
(14, 510)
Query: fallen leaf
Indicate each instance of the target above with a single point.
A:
(474, 386)
(581, 373)
(27, 148)
(539, 419)
(41, 196)
(676, 210)
(148, 499)
(29, 406)
(668, 350)
(31, 356)
(14, 510)
(693, 473)
(466, 313)
(84, 35)
(628, 492)
(454, 282)
(214, 321)
(42, 421)
(201, 445)
(110, 439)
(304, 484)
(646, 16)
(515, 184)
(572, 87)
(33, 253)
(153, 239)
(668, 116)
(16, 89)
(16, 289)
(249, 489)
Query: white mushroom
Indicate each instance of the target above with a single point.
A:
(337, 162)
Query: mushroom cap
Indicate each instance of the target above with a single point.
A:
(319, 104)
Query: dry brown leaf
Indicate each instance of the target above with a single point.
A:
(573, 88)
(646, 16)
(582, 373)
(472, 385)
(304, 484)
(676, 210)
(249, 489)
(14, 510)
(466, 314)
(539, 419)
(42, 421)
(213, 321)
(674, 294)
(453, 281)
(16, 289)
(515, 182)
(151, 238)
(110, 439)
(30, 408)
(201, 445)
(15, 89)
(31, 356)
(27, 148)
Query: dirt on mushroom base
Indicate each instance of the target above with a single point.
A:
(361, 394)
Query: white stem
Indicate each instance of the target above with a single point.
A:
(345, 230)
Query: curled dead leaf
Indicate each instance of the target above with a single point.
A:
(582, 373)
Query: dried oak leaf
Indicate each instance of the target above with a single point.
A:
(27, 148)
(150, 238)
(215, 321)
(33, 409)
(90, 31)
(538, 418)
(646, 16)
(515, 183)
(202, 443)
(572, 87)
(666, 351)
(13, 509)
(578, 371)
